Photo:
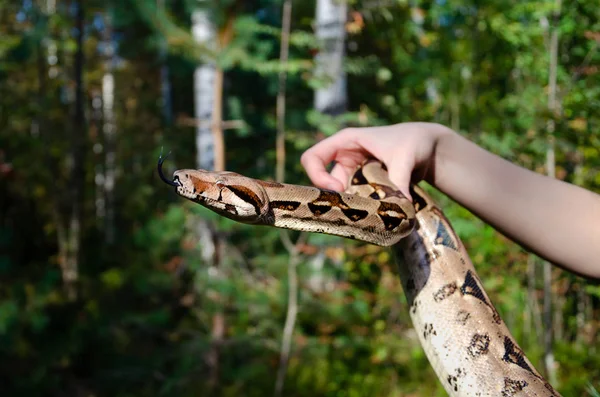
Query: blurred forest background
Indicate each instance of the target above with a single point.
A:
(113, 286)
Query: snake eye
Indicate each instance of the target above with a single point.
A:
(220, 184)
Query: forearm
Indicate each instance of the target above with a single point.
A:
(556, 220)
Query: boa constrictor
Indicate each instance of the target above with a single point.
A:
(466, 341)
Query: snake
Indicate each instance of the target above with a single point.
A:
(464, 338)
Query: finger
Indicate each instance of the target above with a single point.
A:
(400, 171)
(341, 173)
(317, 157)
(315, 168)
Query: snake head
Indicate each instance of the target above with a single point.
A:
(229, 194)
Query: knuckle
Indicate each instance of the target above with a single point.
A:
(305, 158)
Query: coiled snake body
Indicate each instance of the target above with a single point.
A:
(466, 341)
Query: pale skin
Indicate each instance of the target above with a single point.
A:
(554, 219)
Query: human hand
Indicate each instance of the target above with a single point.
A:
(407, 149)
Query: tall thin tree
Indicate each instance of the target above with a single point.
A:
(331, 17)
(109, 129)
(292, 304)
(72, 237)
(551, 172)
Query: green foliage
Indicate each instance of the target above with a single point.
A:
(147, 302)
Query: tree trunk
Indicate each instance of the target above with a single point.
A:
(292, 304)
(204, 76)
(165, 83)
(549, 363)
(70, 242)
(210, 145)
(331, 32)
(283, 59)
(109, 130)
(97, 141)
(204, 100)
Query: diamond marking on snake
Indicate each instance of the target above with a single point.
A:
(513, 354)
(355, 215)
(391, 214)
(443, 237)
(318, 210)
(471, 287)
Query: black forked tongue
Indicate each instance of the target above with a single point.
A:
(161, 160)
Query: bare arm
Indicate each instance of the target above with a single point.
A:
(554, 219)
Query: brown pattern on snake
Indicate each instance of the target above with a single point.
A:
(453, 379)
(383, 191)
(285, 205)
(479, 346)
(513, 354)
(200, 186)
(391, 221)
(418, 202)
(247, 195)
(331, 198)
(359, 178)
(328, 199)
(512, 387)
(445, 235)
(445, 292)
(355, 215)
(428, 330)
(471, 287)
(318, 210)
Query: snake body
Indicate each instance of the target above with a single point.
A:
(464, 338)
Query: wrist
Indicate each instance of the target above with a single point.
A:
(442, 138)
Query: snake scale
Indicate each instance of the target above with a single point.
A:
(464, 338)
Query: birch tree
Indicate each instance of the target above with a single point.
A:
(331, 33)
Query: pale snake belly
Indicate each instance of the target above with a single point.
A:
(464, 338)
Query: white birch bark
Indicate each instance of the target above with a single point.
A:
(331, 32)
(204, 32)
